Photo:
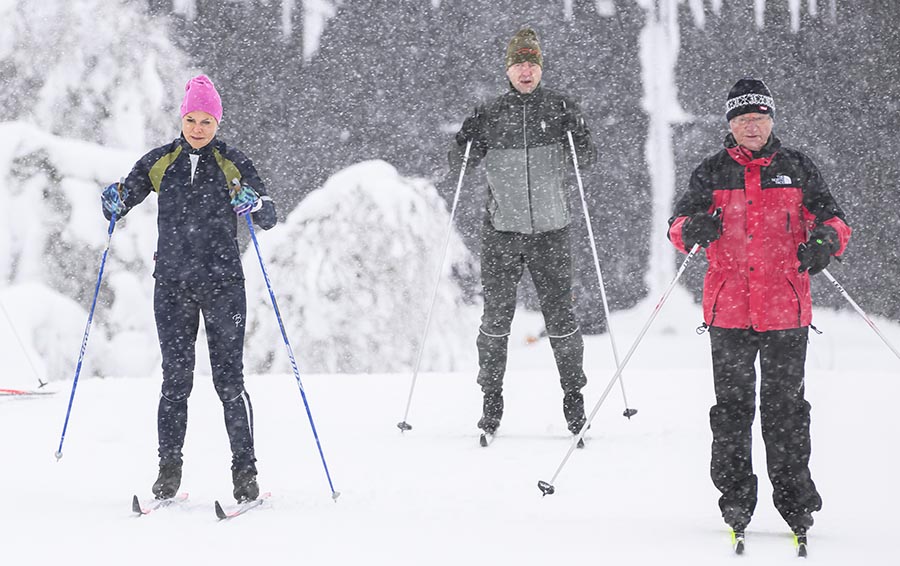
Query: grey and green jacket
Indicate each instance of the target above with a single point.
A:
(525, 150)
(196, 223)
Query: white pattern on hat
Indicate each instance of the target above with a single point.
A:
(749, 99)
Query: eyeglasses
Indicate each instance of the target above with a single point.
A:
(746, 120)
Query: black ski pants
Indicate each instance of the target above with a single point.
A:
(178, 306)
(785, 423)
(547, 255)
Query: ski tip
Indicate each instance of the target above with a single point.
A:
(800, 543)
(737, 541)
(628, 413)
(220, 513)
(546, 488)
(580, 443)
(483, 441)
(136, 505)
(404, 426)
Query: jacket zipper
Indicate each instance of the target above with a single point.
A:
(527, 177)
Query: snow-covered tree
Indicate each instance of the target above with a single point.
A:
(353, 269)
(51, 250)
(96, 70)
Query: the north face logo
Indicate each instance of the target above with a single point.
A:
(782, 180)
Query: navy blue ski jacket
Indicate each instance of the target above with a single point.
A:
(197, 224)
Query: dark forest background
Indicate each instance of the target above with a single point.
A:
(393, 79)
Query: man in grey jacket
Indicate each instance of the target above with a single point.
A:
(521, 136)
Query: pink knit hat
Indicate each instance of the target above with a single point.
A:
(200, 94)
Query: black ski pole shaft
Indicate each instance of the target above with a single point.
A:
(629, 412)
(861, 312)
(404, 425)
(547, 487)
(290, 352)
(87, 330)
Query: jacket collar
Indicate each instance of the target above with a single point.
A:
(745, 157)
(205, 150)
(520, 97)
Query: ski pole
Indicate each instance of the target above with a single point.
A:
(287, 345)
(546, 487)
(860, 311)
(12, 327)
(87, 330)
(629, 412)
(403, 425)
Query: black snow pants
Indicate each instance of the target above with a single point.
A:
(178, 306)
(547, 255)
(785, 423)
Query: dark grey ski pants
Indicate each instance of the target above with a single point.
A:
(178, 306)
(785, 423)
(547, 255)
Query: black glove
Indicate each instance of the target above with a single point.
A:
(815, 253)
(471, 131)
(701, 228)
(572, 120)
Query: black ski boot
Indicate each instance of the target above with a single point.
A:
(169, 480)
(492, 411)
(245, 486)
(573, 409)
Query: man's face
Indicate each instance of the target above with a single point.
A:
(524, 77)
(751, 130)
(198, 128)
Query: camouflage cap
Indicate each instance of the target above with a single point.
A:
(524, 46)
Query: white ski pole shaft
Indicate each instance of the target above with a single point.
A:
(629, 412)
(15, 333)
(547, 488)
(403, 425)
(860, 311)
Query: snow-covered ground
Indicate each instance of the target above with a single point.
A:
(639, 494)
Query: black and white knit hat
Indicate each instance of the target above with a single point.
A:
(749, 95)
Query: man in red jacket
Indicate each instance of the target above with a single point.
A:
(768, 222)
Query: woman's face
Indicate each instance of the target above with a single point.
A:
(199, 128)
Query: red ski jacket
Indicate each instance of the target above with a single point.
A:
(770, 200)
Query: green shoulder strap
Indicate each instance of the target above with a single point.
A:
(230, 170)
(159, 168)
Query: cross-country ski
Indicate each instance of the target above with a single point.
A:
(231, 511)
(141, 508)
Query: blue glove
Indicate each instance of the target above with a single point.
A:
(245, 200)
(113, 199)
